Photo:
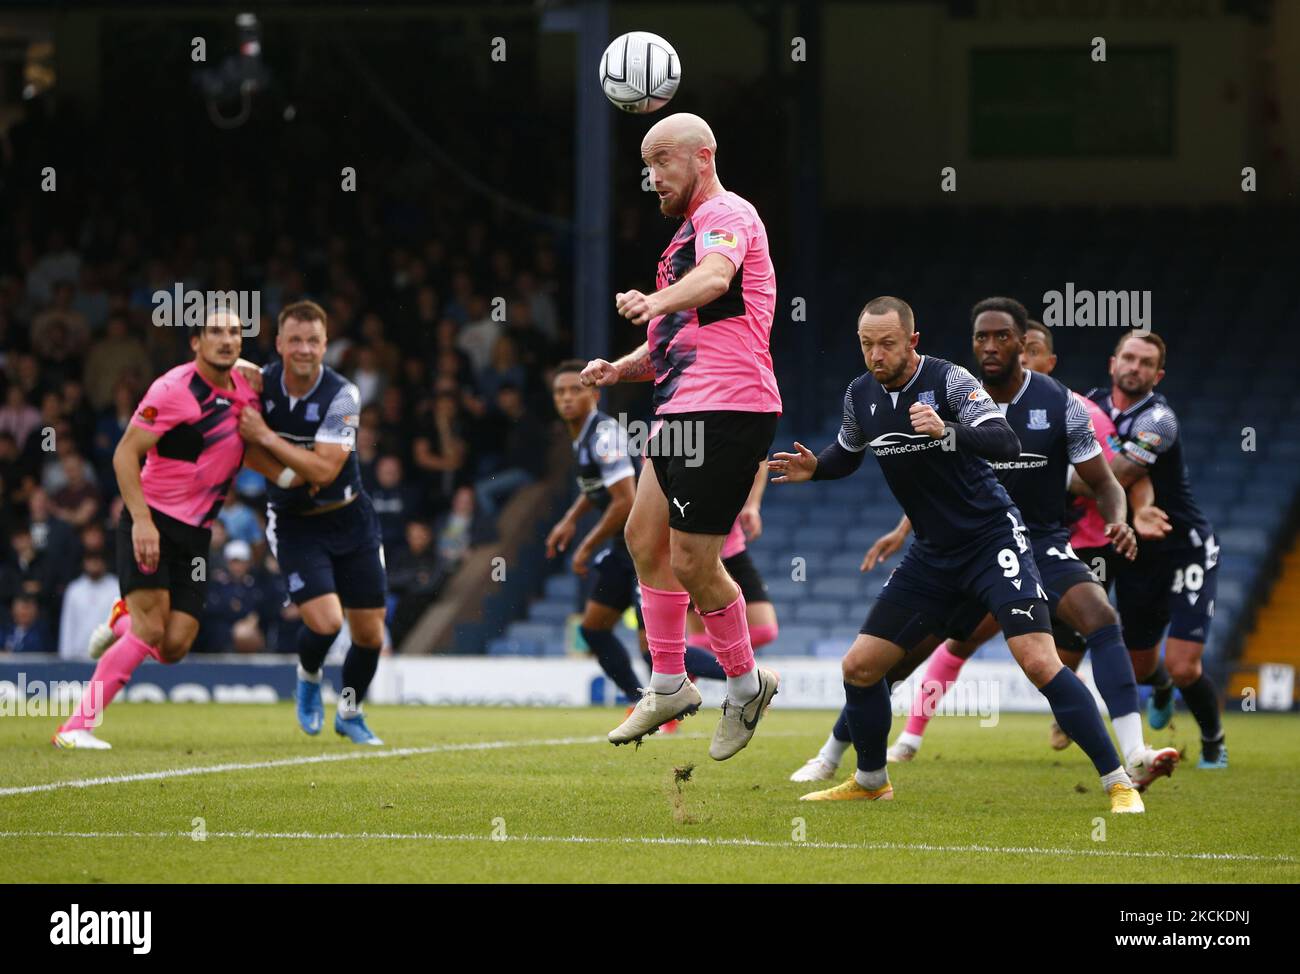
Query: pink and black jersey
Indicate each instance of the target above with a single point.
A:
(188, 471)
(1090, 530)
(717, 357)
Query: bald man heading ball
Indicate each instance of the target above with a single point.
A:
(708, 327)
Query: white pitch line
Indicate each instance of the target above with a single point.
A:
(324, 758)
(666, 841)
(292, 762)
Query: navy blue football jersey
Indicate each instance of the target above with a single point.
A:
(601, 453)
(329, 413)
(950, 496)
(1055, 433)
(1149, 436)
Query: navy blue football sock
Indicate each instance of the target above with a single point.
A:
(702, 663)
(358, 670)
(1162, 682)
(841, 728)
(312, 648)
(1077, 714)
(1202, 700)
(613, 659)
(868, 715)
(1112, 671)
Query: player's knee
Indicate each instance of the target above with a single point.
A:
(1041, 668)
(173, 651)
(860, 672)
(148, 630)
(1183, 671)
(324, 622)
(1098, 616)
(693, 568)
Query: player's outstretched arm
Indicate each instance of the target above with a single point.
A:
(259, 459)
(319, 467)
(632, 367)
(1111, 503)
(708, 281)
(832, 463)
(559, 537)
(127, 458)
(621, 495)
(1150, 522)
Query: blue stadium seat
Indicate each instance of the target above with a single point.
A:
(794, 640)
(562, 586)
(827, 613)
(506, 646)
(557, 612)
(841, 589)
(830, 648)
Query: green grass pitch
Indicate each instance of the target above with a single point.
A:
(522, 795)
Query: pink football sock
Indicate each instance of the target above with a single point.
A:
(729, 637)
(665, 629)
(941, 671)
(762, 635)
(698, 640)
(111, 674)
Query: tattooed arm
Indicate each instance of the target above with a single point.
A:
(633, 367)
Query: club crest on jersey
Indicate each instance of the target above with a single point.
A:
(313, 412)
(1038, 419)
(719, 238)
(926, 398)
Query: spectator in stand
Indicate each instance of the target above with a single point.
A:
(517, 456)
(109, 427)
(78, 501)
(19, 418)
(395, 424)
(369, 380)
(60, 333)
(440, 451)
(51, 535)
(111, 359)
(54, 471)
(388, 357)
(92, 300)
(59, 263)
(17, 483)
(448, 357)
(86, 603)
(238, 600)
(77, 411)
(540, 304)
(456, 531)
(415, 576)
(27, 631)
(395, 502)
(505, 369)
(29, 571)
(479, 336)
(239, 520)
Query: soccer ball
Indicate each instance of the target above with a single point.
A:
(640, 72)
